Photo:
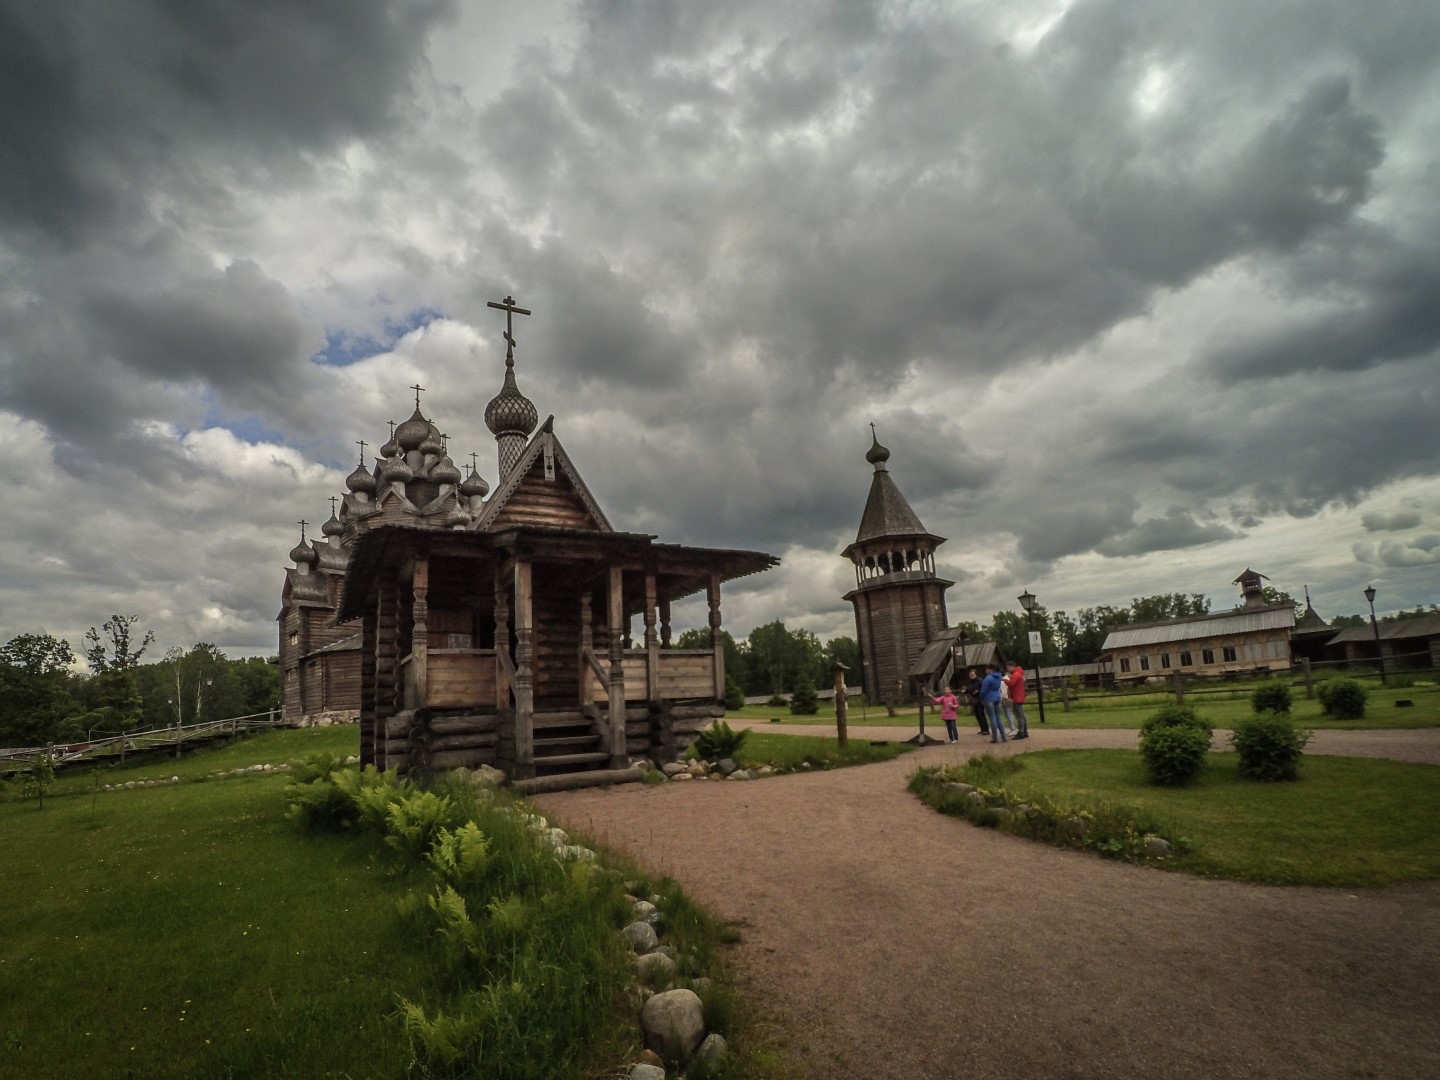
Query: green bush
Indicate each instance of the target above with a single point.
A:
(804, 701)
(1174, 754)
(1270, 747)
(734, 694)
(718, 741)
(1271, 697)
(1344, 699)
(1173, 716)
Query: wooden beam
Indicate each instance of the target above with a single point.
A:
(652, 642)
(420, 631)
(524, 671)
(717, 646)
(618, 750)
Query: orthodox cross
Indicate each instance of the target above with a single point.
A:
(445, 442)
(392, 429)
(333, 501)
(302, 523)
(361, 443)
(473, 456)
(418, 391)
(508, 306)
(873, 436)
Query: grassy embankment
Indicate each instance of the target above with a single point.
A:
(1222, 704)
(190, 929)
(1350, 822)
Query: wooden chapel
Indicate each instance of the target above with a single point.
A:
(498, 630)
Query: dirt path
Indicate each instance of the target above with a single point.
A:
(885, 940)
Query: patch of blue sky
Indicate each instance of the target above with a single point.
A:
(343, 347)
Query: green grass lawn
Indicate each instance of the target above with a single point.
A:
(1346, 822)
(789, 751)
(188, 930)
(1221, 704)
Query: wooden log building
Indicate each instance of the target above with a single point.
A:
(498, 630)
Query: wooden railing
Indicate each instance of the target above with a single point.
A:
(150, 739)
(683, 673)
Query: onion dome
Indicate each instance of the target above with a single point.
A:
(474, 485)
(510, 411)
(391, 448)
(361, 481)
(333, 526)
(457, 518)
(396, 470)
(444, 472)
(877, 455)
(433, 444)
(412, 432)
(302, 554)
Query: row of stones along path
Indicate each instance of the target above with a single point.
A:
(881, 939)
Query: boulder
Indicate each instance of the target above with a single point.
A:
(713, 1050)
(645, 1071)
(641, 936)
(644, 911)
(674, 1024)
(673, 768)
(1156, 847)
(653, 968)
(726, 766)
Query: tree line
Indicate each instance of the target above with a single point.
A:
(45, 699)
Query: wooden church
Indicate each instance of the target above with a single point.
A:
(496, 628)
(898, 598)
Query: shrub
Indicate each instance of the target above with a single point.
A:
(1172, 716)
(734, 694)
(1270, 747)
(718, 741)
(1174, 754)
(804, 701)
(1344, 699)
(1271, 697)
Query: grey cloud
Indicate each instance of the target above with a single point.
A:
(1381, 521)
(1178, 528)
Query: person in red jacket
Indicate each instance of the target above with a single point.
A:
(1015, 680)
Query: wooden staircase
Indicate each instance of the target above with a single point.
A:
(570, 752)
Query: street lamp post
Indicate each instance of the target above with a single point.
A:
(1027, 601)
(1375, 629)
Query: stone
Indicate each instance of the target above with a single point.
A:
(645, 1071)
(682, 776)
(576, 852)
(673, 768)
(1003, 813)
(1075, 826)
(488, 776)
(650, 1057)
(641, 936)
(653, 968)
(644, 911)
(974, 798)
(958, 788)
(713, 1050)
(726, 766)
(1156, 847)
(674, 1024)
(764, 770)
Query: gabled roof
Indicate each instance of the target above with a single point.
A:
(887, 512)
(545, 450)
(1311, 622)
(1240, 621)
(1390, 630)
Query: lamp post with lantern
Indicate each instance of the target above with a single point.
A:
(1375, 629)
(1027, 601)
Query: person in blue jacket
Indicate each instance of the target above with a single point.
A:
(990, 695)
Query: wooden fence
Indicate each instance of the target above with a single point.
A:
(130, 742)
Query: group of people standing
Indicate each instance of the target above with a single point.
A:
(997, 701)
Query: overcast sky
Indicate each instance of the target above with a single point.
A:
(1139, 294)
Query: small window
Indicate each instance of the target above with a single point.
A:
(1185, 659)
(1145, 662)
(294, 637)
(1124, 663)
(1164, 659)
(290, 674)
(1207, 656)
(1229, 653)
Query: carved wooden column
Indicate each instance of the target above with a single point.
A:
(652, 643)
(618, 752)
(587, 648)
(524, 673)
(717, 646)
(387, 657)
(503, 663)
(367, 689)
(665, 623)
(420, 631)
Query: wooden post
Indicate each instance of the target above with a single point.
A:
(652, 642)
(1179, 688)
(1309, 682)
(665, 622)
(840, 704)
(1065, 695)
(717, 645)
(587, 644)
(420, 632)
(618, 753)
(524, 673)
(503, 686)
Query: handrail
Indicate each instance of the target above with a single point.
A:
(143, 740)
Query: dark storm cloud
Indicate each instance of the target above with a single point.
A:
(1381, 521)
(1178, 528)
(101, 97)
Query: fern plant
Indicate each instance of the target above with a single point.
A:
(719, 740)
(415, 819)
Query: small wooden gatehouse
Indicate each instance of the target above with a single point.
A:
(498, 630)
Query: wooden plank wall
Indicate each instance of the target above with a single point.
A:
(461, 679)
(538, 501)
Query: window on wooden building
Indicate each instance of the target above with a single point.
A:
(1144, 661)
(1124, 663)
(1164, 659)
(1207, 656)
(1228, 652)
(1186, 660)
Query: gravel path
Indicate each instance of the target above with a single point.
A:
(881, 939)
